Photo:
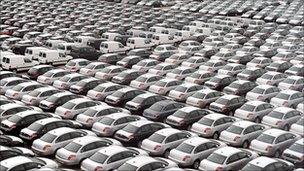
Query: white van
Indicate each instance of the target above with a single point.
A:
(112, 47)
(170, 31)
(159, 39)
(33, 52)
(138, 42)
(17, 63)
(53, 57)
(182, 35)
(109, 36)
(134, 32)
(53, 44)
(65, 47)
(156, 29)
(83, 40)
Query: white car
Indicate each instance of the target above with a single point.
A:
(263, 93)
(213, 65)
(295, 153)
(231, 69)
(199, 77)
(164, 85)
(287, 98)
(144, 81)
(9, 83)
(203, 98)
(52, 75)
(194, 61)
(253, 111)
(145, 65)
(292, 83)
(162, 68)
(76, 64)
(177, 58)
(180, 73)
(282, 117)
(109, 72)
(298, 127)
(271, 78)
(18, 91)
(39, 94)
(259, 62)
(101, 91)
(266, 163)
(110, 158)
(183, 91)
(227, 158)
(92, 68)
(31, 163)
(66, 81)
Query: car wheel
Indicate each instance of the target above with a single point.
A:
(257, 120)
(196, 164)
(216, 135)
(230, 113)
(277, 154)
(167, 152)
(286, 127)
(245, 144)
(139, 144)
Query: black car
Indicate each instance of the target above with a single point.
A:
(227, 104)
(83, 86)
(121, 96)
(137, 131)
(129, 61)
(38, 70)
(144, 53)
(126, 77)
(162, 109)
(218, 82)
(8, 152)
(20, 120)
(142, 102)
(95, 43)
(251, 74)
(86, 52)
(58, 99)
(185, 117)
(110, 58)
(19, 49)
(11, 141)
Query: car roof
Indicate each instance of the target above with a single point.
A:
(61, 131)
(28, 83)
(243, 124)
(140, 160)
(222, 76)
(57, 70)
(241, 81)
(89, 79)
(230, 96)
(15, 161)
(101, 107)
(126, 89)
(47, 120)
(189, 109)
(274, 132)
(196, 141)
(86, 140)
(62, 94)
(111, 150)
(215, 116)
(262, 161)
(283, 109)
(113, 67)
(9, 79)
(289, 92)
(79, 100)
(187, 85)
(141, 123)
(10, 105)
(149, 75)
(118, 115)
(73, 75)
(168, 79)
(227, 151)
(146, 95)
(295, 77)
(167, 131)
(272, 73)
(264, 86)
(79, 60)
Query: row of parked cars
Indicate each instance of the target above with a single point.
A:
(212, 93)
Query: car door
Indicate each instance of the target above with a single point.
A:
(250, 133)
(233, 162)
(62, 140)
(115, 160)
(143, 132)
(201, 152)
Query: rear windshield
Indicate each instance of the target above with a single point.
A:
(106, 121)
(206, 121)
(235, 129)
(157, 138)
(266, 138)
(99, 157)
(73, 147)
(217, 158)
(48, 137)
(186, 148)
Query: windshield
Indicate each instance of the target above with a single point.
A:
(99, 88)
(235, 129)
(235, 85)
(206, 121)
(68, 105)
(289, 81)
(180, 114)
(106, 121)
(267, 76)
(161, 83)
(222, 101)
(199, 95)
(71, 63)
(73, 147)
(181, 89)
(90, 66)
(157, 107)
(297, 147)
(217, 158)
(138, 100)
(14, 118)
(99, 157)
(275, 114)
(17, 88)
(48, 74)
(266, 138)
(156, 138)
(64, 79)
(118, 94)
(48, 137)
(130, 128)
(141, 79)
(186, 148)
(35, 127)
(127, 166)
(248, 107)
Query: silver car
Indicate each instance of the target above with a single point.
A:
(9, 83)
(273, 142)
(227, 158)
(183, 91)
(292, 83)
(30, 163)
(162, 141)
(162, 68)
(163, 86)
(103, 90)
(110, 158)
(193, 150)
(271, 78)
(50, 142)
(212, 125)
(82, 148)
(203, 98)
(92, 68)
(262, 93)
(298, 127)
(288, 98)
(282, 118)
(21, 89)
(267, 163)
(52, 75)
(241, 133)
(199, 77)
(109, 124)
(36, 96)
(144, 81)
(295, 153)
(253, 111)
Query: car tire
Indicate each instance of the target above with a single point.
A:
(257, 120)
(196, 164)
(277, 154)
(139, 144)
(166, 153)
(230, 113)
(286, 127)
(216, 135)
(245, 144)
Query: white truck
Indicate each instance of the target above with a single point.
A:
(65, 47)
(138, 42)
(53, 57)
(33, 52)
(17, 63)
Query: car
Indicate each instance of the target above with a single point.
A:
(203, 98)
(296, 69)
(145, 64)
(101, 91)
(177, 58)
(193, 150)
(162, 68)
(10, 82)
(227, 104)
(55, 100)
(183, 91)
(278, 66)
(194, 61)
(95, 113)
(125, 77)
(111, 158)
(231, 69)
(294, 153)
(38, 70)
(11, 141)
(27, 163)
(180, 73)
(146, 162)
(185, 117)
(86, 52)
(57, 138)
(129, 61)
(263, 93)
(162, 141)
(266, 163)
(8, 152)
(259, 62)
(253, 111)
(20, 120)
(42, 126)
(72, 108)
(122, 96)
(65, 82)
(83, 86)
(144, 53)
(10, 109)
(164, 85)
(297, 127)
(241, 133)
(218, 82)
(239, 87)
(36, 96)
(109, 124)
(7, 74)
(50, 76)
(251, 74)
(110, 58)
(21, 89)
(287, 98)
(282, 117)
(92, 68)
(82, 148)
(75, 64)
(292, 82)
(199, 77)
(212, 65)
(144, 81)
(273, 142)
(227, 158)
(271, 78)
(109, 72)
(136, 132)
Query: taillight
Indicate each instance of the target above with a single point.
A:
(157, 147)
(279, 123)
(34, 135)
(186, 158)
(285, 103)
(260, 97)
(15, 94)
(219, 169)
(249, 115)
(46, 147)
(268, 148)
(67, 112)
(98, 168)
(131, 137)
(72, 157)
(237, 138)
(106, 129)
(13, 126)
(89, 120)
(98, 95)
(207, 130)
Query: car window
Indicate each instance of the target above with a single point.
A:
(120, 121)
(88, 147)
(280, 139)
(270, 167)
(249, 130)
(200, 148)
(232, 158)
(170, 107)
(80, 106)
(146, 167)
(115, 157)
(242, 155)
(219, 122)
(171, 138)
(63, 137)
(156, 165)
